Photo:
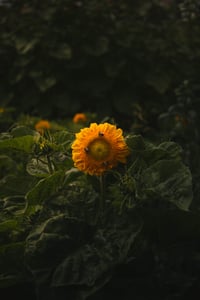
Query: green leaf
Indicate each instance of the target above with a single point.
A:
(135, 142)
(8, 225)
(23, 45)
(88, 256)
(64, 138)
(71, 175)
(45, 83)
(16, 184)
(6, 165)
(173, 149)
(12, 264)
(167, 180)
(57, 232)
(165, 150)
(63, 51)
(22, 143)
(38, 168)
(151, 152)
(92, 263)
(22, 131)
(44, 190)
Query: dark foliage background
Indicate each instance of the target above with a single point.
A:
(135, 61)
(58, 57)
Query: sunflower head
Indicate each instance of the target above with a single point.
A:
(79, 118)
(42, 125)
(99, 148)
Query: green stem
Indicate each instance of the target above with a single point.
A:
(101, 204)
(49, 164)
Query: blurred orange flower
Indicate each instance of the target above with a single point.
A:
(79, 118)
(42, 125)
(181, 119)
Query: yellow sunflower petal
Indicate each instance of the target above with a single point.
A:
(99, 148)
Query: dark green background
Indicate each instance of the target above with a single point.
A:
(135, 61)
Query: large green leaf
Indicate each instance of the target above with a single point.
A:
(38, 167)
(168, 181)
(12, 264)
(90, 262)
(165, 150)
(22, 130)
(56, 236)
(157, 173)
(44, 190)
(6, 165)
(152, 152)
(22, 143)
(16, 184)
(82, 259)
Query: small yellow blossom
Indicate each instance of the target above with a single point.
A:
(42, 145)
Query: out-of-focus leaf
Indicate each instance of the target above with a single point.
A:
(23, 46)
(99, 48)
(45, 83)
(22, 143)
(160, 82)
(63, 51)
(22, 131)
(171, 226)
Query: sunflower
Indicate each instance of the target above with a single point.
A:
(42, 125)
(79, 118)
(99, 148)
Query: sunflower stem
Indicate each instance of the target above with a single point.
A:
(101, 204)
(49, 164)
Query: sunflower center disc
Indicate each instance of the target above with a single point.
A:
(99, 149)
